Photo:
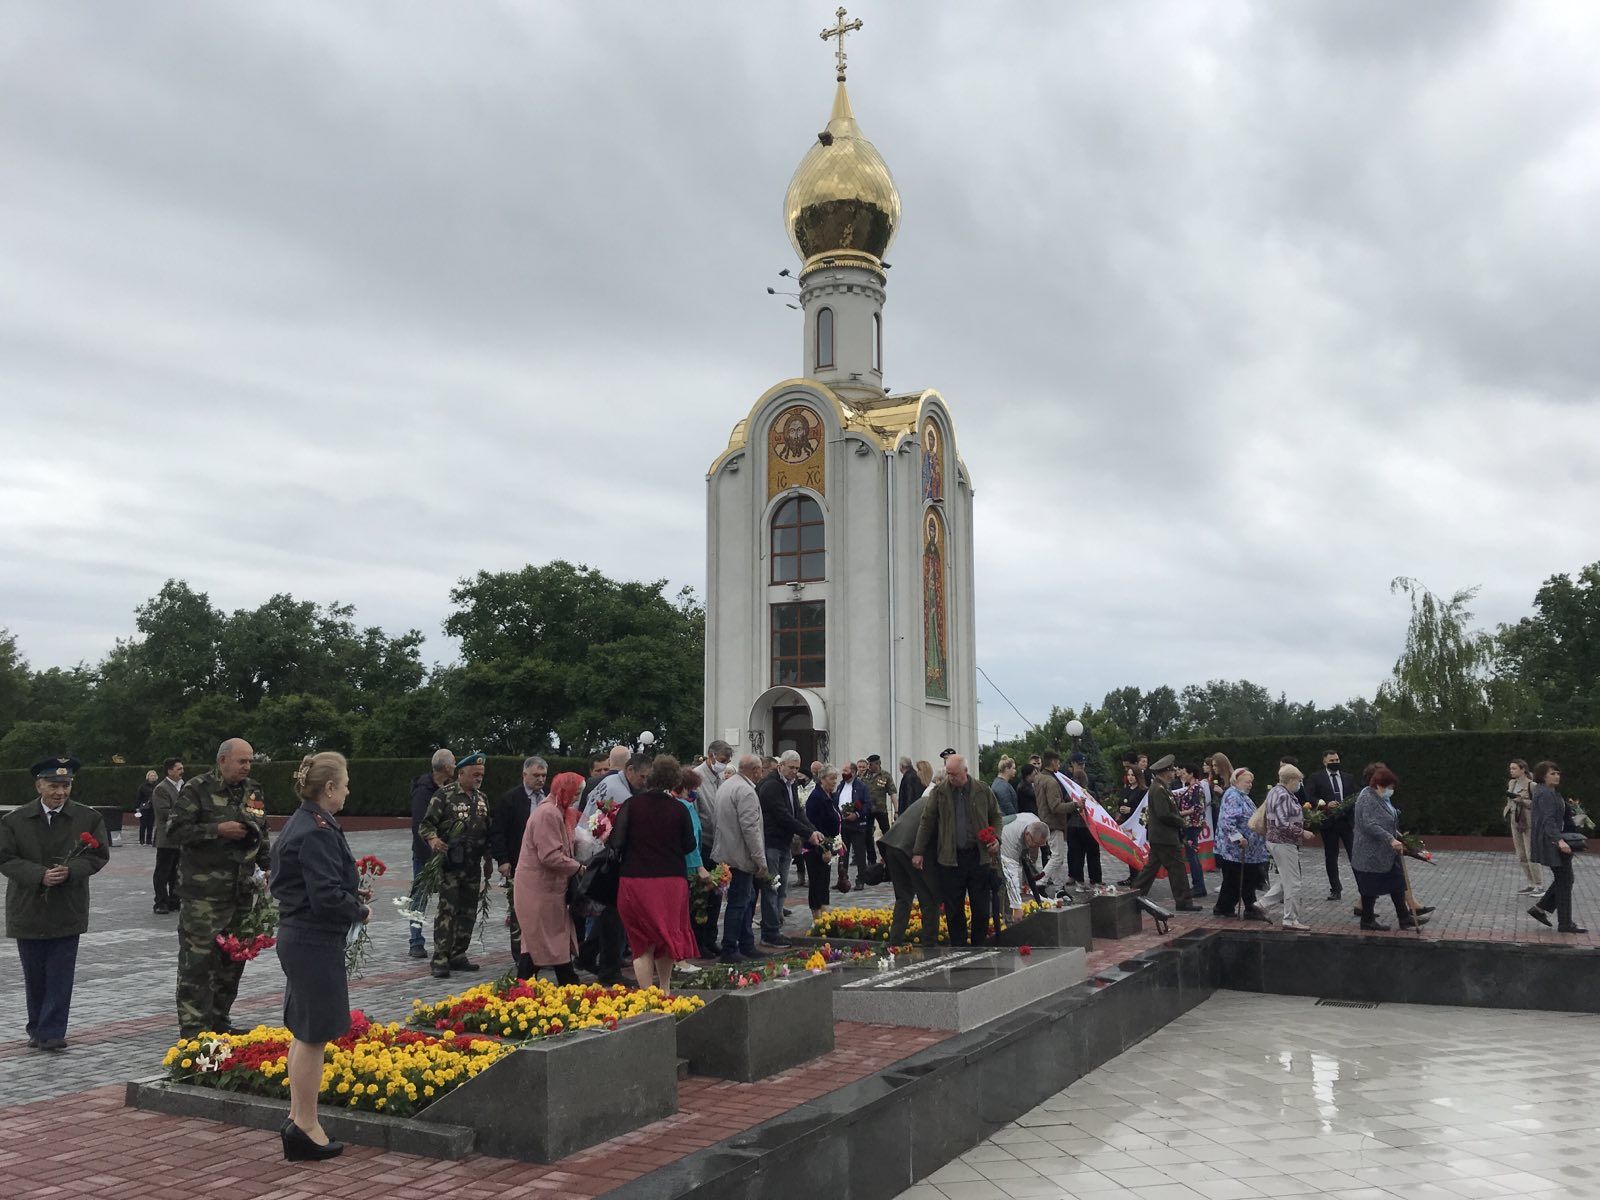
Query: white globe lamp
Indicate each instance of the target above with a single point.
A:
(1074, 728)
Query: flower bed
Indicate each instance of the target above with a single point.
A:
(536, 1009)
(379, 1068)
(872, 924)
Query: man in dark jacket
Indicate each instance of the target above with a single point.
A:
(910, 883)
(48, 849)
(442, 769)
(506, 823)
(1164, 826)
(1334, 792)
(911, 788)
(958, 811)
(855, 823)
(782, 820)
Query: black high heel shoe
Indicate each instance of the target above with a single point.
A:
(298, 1146)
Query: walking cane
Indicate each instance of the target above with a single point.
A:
(1411, 897)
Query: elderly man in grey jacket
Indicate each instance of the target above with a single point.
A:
(739, 844)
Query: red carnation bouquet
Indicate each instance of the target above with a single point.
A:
(86, 842)
(254, 932)
(988, 841)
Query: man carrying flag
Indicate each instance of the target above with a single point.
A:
(1165, 832)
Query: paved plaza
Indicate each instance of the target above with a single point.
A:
(123, 1017)
(123, 1021)
(1272, 1096)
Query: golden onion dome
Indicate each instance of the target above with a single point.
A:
(842, 199)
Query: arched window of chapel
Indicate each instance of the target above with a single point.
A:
(824, 337)
(799, 541)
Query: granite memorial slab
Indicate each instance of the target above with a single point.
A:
(750, 1033)
(556, 1096)
(956, 988)
(1115, 916)
(1069, 926)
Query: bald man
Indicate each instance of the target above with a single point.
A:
(219, 825)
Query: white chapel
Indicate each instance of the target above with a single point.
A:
(839, 574)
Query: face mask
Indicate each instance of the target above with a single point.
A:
(1386, 792)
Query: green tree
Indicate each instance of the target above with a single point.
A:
(414, 722)
(1548, 669)
(1440, 680)
(195, 733)
(28, 742)
(13, 681)
(296, 724)
(562, 658)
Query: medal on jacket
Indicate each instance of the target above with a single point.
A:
(255, 805)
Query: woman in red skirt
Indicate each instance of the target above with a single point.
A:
(654, 836)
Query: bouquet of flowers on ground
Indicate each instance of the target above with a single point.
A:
(1414, 848)
(368, 868)
(701, 886)
(256, 930)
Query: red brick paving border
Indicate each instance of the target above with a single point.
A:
(115, 1153)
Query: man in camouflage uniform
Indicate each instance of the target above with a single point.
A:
(219, 825)
(883, 793)
(456, 827)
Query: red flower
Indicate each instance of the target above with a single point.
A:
(89, 841)
(986, 836)
(1024, 950)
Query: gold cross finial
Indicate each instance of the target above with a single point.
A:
(841, 27)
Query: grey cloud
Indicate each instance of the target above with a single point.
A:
(1242, 309)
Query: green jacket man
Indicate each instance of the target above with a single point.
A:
(963, 820)
(219, 825)
(456, 828)
(1163, 823)
(48, 849)
(1164, 831)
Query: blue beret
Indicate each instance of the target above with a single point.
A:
(476, 757)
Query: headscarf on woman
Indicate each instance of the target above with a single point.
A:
(565, 792)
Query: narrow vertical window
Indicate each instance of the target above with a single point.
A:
(824, 337)
(877, 342)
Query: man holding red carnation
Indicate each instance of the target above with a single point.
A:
(48, 851)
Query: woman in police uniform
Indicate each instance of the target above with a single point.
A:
(315, 882)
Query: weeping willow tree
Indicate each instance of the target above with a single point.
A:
(1442, 677)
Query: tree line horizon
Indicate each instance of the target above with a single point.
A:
(561, 659)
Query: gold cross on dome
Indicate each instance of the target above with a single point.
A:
(841, 27)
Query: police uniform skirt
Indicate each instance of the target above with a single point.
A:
(316, 999)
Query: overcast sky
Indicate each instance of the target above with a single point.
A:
(1242, 309)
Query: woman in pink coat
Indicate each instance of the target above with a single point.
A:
(540, 891)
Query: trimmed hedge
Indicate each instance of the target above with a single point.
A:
(1450, 783)
(379, 787)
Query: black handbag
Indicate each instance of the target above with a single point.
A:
(599, 881)
(1575, 841)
